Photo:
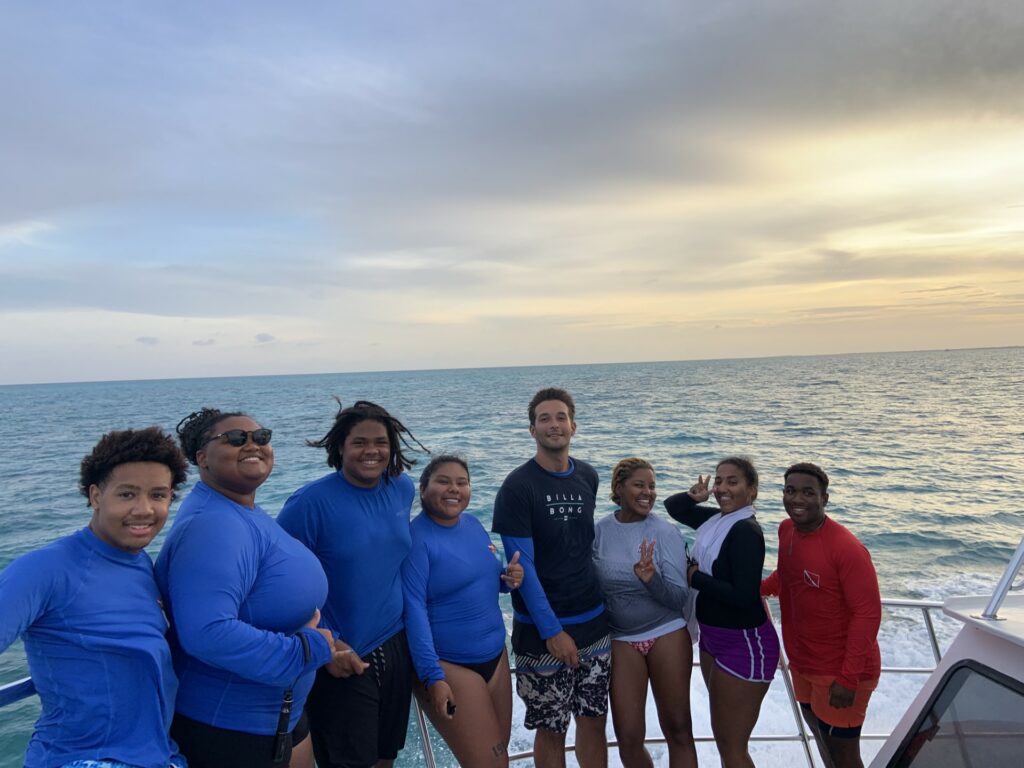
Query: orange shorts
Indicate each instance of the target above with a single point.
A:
(814, 690)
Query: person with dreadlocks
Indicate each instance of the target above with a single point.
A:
(243, 599)
(356, 521)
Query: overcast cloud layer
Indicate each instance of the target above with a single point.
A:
(199, 189)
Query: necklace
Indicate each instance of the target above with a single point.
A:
(798, 531)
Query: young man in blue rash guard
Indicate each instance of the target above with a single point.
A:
(89, 612)
(545, 512)
(356, 521)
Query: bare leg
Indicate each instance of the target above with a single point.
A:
(845, 752)
(835, 752)
(735, 706)
(706, 663)
(819, 740)
(548, 749)
(629, 702)
(591, 742)
(670, 663)
(500, 689)
(302, 754)
(475, 735)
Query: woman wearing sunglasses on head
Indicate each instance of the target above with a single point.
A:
(243, 598)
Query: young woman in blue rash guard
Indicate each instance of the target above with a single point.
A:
(89, 612)
(244, 600)
(456, 631)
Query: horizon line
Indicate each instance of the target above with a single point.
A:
(508, 367)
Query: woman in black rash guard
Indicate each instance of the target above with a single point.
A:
(739, 649)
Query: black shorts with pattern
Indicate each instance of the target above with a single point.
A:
(552, 692)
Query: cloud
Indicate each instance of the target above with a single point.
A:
(147, 341)
(345, 174)
(23, 233)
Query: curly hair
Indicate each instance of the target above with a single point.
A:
(126, 446)
(363, 410)
(807, 468)
(551, 393)
(196, 429)
(623, 470)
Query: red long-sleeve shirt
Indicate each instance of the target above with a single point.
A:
(831, 607)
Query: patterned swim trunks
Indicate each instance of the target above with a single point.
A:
(554, 692)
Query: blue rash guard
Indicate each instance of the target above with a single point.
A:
(361, 537)
(451, 581)
(239, 591)
(94, 634)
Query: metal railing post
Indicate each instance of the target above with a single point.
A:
(1005, 582)
(791, 694)
(931, 634)
(428, 749)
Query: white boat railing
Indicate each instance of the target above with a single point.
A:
(22, 689)
(800, 736)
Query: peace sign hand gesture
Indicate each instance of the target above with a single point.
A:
(699, 491)
(644, 567)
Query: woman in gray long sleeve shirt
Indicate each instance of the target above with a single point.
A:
(641, 564)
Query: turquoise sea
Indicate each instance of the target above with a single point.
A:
(925, 451)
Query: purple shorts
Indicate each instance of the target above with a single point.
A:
(749, 654)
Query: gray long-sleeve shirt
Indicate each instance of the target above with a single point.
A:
(634, 607)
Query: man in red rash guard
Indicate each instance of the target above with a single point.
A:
(831, 611)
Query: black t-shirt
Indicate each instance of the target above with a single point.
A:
(558, 514)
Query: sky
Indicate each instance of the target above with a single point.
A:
(224, 188)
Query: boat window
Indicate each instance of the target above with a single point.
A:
(976, 719)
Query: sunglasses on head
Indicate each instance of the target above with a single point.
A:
(239, 437)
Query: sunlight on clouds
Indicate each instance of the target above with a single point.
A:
(345, 189)
(928, 185)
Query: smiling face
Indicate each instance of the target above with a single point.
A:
(131, 505)
(804, 501)
(447, 493)
(234, 471)
(732, 489)
(553, 427)
(636, 495)
(365, 453)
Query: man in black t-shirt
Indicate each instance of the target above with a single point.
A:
(545, 512)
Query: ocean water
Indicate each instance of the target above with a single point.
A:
(925, 451)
